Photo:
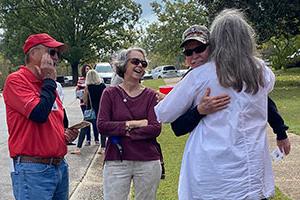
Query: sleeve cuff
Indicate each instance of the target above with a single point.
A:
(48, 82)
(281, 135)
(196, 114)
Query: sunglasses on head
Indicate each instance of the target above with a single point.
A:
(136, 61)
(198, 49)
(52, 52)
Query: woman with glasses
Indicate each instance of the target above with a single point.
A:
(127, 117)
(226, 155)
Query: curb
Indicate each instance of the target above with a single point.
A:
(90, 187)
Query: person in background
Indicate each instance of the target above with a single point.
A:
(228, 149)
(92, 94)
(127, 112)
(37, 138)
(193, 39)
(61, 95)
(81, 85)
(116, 79)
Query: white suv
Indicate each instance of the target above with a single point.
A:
(105, 72)
(166, 71)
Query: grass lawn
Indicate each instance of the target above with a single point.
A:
(287, 97)
(286, 94)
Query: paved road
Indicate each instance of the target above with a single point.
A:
(5, 188)
(78, 164)
(287, 171)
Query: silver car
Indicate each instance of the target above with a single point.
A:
(166, 71)
(105, 72)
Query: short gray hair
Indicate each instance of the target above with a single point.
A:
(122, 59)
(234, 49)
(27, 55)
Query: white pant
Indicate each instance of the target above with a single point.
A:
(118, 175)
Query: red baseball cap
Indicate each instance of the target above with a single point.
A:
(41, 38)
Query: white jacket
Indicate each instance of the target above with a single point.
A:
(226, 156)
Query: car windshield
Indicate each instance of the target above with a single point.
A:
(169, 68)
(103, 68)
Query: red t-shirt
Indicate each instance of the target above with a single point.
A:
(21, 94)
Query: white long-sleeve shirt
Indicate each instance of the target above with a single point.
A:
(226, 156)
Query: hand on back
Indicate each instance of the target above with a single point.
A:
(210, 104)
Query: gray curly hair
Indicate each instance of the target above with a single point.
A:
(122, 59)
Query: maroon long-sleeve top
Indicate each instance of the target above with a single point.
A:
(116, 107)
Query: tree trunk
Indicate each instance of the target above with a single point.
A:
(74, 66)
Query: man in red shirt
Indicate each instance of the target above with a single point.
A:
(37, 139)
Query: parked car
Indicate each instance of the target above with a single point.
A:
(68, 80)
(65, 80)
(166, 71)
(105, 72)
(147, 75)
(60, 79)
(182, 72)
(293, 60)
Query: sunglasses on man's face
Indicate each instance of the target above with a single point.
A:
(52, 52)
(198, 49)
(136, 61)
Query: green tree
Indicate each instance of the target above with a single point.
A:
(275, 21)
(91, 28)
(162, 38)
(269, 17)
(279, 51)
(5, 66)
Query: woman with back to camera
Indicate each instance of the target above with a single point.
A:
(226, 155)
(127, 117)
(92, 94)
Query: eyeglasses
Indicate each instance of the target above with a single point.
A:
(52, 52)
(136, 61)
(198, 49)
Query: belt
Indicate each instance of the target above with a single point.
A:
(30, 159)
